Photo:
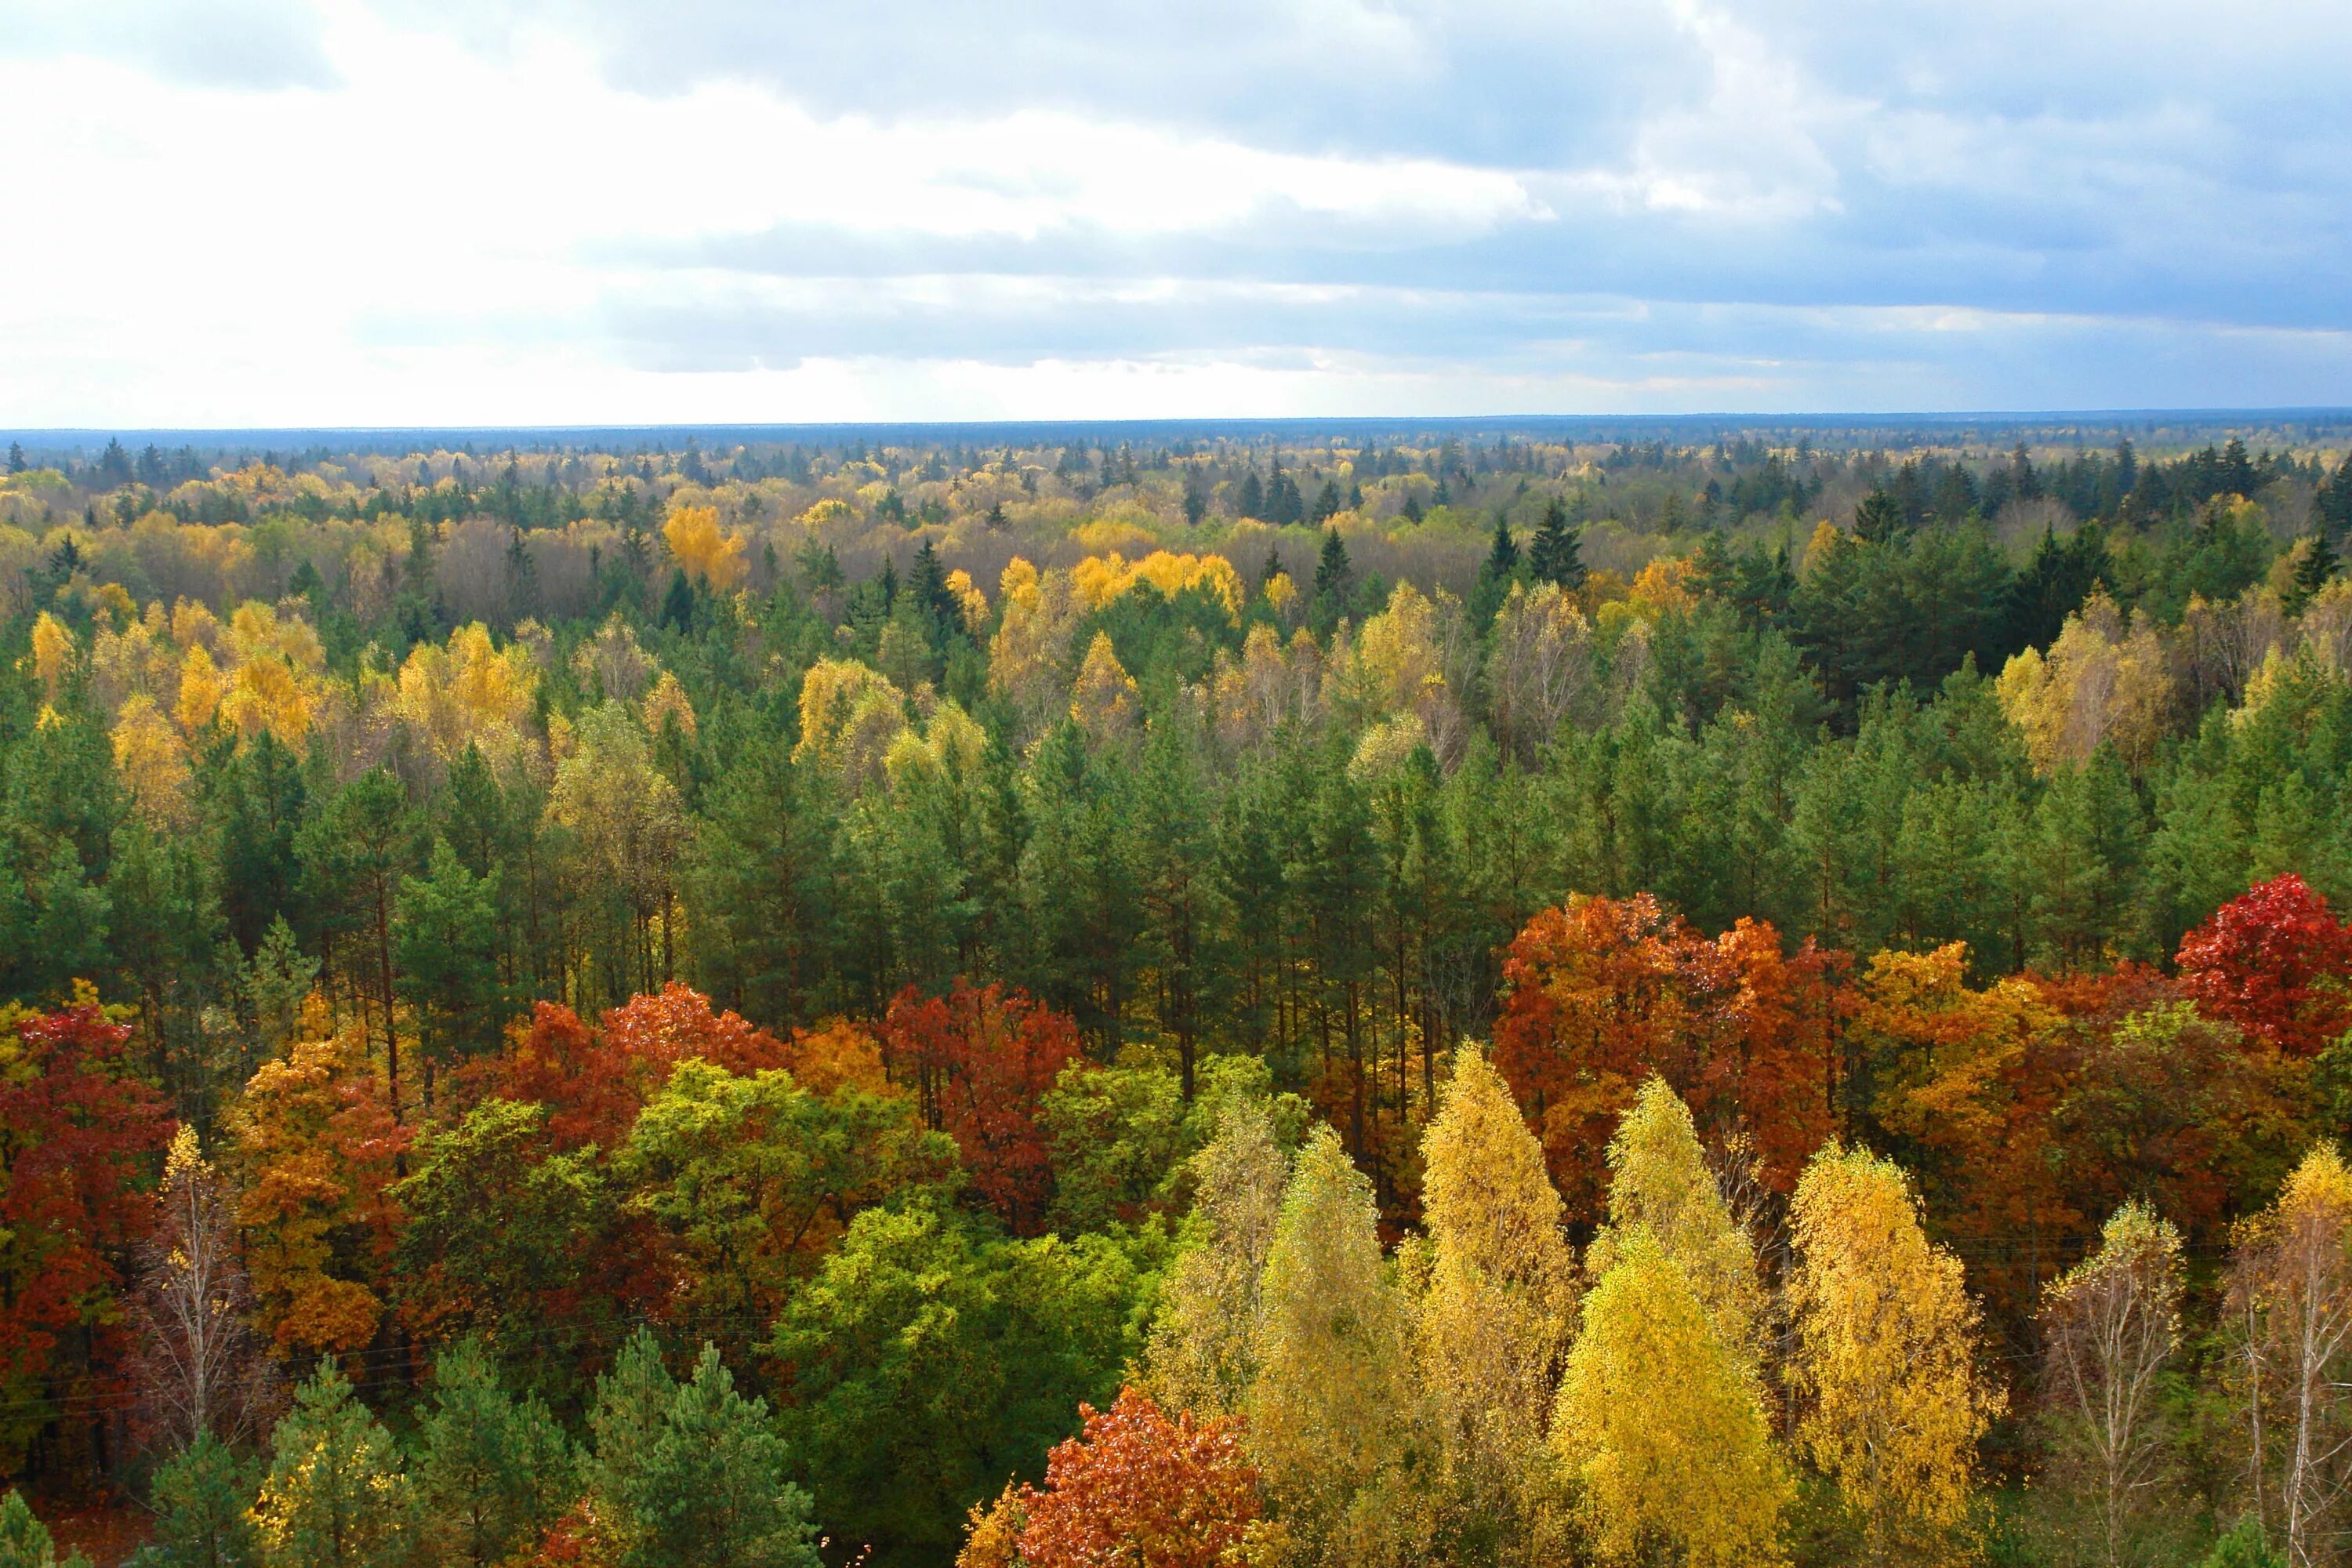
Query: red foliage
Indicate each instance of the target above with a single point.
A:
(78, 1134)
(1135, 1489)
(1604, 992)
(594, 1082)
(981, 1059)
(2276, 964)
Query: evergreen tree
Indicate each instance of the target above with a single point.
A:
(445, 926)
(202, 1496)
(26, 1542)
(491, 1472)
(1879, 519)
(336, 1496)
(1334, 578)
(692, 1473)
(2313, 567)
(15, 458)
(1555, 554)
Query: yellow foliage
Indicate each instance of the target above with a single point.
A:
(1887, 1343)
(266, 694)
(1097, 580)
(153, 763)
(2099, 682)
(849, 716)
(1027, 658)
(667, 700)
(1105, 701)
(1660, 1185)
(706, 550)
(201, 690)
(1662, 586)
(53, 649)
(1659, 1423)
(1502, 1292)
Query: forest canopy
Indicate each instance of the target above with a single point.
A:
(750, 1001)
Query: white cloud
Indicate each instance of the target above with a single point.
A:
(396, 211)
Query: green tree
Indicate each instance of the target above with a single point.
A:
(1556, 553)
(445, 931)
(693, 1474)
(491, 1472)
(336, 1495)
(203, 1499)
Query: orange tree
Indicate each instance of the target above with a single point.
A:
(1604, 992)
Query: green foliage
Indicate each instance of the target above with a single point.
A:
(336, 1495)
(25, 1541)
(931, 1361)
(491, 1472)
(202, 1497)
(692, 1473)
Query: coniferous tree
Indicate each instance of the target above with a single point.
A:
(491, 1472)
(203, 1499)
(336, 1495)
(1556, 553)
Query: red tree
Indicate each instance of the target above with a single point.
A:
(981, 1060)
(595, 1081)
(1135, 1489)
(1604, 992)
(2276, 964)
(78, 1136)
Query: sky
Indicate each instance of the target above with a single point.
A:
(316, 212)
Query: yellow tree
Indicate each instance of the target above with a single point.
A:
(1659, 1182)
(1495, 1317)
(1660, 1424)
(1203, 1355)
(703, 548)
(1104, 700)
(1886, 1347)
(2291, 1315)
(2107, 1329)
(1335, 1422)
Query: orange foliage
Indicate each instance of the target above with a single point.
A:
(318, 1149)
(1604, 992)
(1135, 1489)
(837, 1054)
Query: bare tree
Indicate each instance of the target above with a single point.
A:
(2291, 1309)
(201, 1367)
(2109, 1328)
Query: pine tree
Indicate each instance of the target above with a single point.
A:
(202, 1496)
(2315, 567)
(336, 1496)
(15, 458)
(1503, 558)
(1879, 519)
(25, 1541)
(491, 1472)
(692, 1475)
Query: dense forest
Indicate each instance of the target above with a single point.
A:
(1318, 998)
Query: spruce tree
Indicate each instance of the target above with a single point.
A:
(1333, 575)
(1556, 555)
(2317, 566)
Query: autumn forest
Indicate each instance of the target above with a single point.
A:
(1314, 996)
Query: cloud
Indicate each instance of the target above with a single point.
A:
(261, 44)
(523, 206)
